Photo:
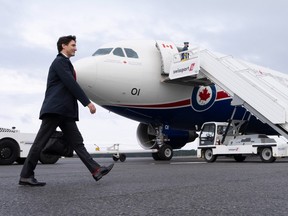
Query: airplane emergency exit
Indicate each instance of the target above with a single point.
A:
(171, 97)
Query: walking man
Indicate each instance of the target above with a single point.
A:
(60, 108)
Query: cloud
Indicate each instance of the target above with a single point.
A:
(21, 96)
(20, 83)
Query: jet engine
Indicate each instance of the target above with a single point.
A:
(151, 137)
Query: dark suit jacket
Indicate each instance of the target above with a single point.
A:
(62, 90)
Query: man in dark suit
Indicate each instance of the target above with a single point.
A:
(60, 108)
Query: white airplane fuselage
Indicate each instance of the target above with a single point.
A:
(132, 87)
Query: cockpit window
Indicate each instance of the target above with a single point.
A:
(131, 53)
(118, 52)
(102, 51)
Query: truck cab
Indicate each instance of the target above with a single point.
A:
(212, 133)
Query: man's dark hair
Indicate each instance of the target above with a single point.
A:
(64, 40)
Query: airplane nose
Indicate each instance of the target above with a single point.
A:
(86, 72)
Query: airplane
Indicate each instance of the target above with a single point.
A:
(129, 78)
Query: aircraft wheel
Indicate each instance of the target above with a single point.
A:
(239, 158)
(209, 157)
(122, 157)
(155, 156)
(266, 155)
(9, 152)
(165, 152)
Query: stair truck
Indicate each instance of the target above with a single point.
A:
(223, 139)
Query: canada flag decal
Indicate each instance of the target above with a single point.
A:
(203, 97)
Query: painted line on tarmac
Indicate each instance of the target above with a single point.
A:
(180, 163)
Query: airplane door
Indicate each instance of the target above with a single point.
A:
(168, 52)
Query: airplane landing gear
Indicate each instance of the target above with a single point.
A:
(165, 152)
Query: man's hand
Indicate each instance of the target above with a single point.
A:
(92, 108)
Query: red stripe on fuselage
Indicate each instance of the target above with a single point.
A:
(186, 102)
(222, 95)
(166, 105)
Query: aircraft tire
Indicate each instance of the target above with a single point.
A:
(155, 156)
(208, 156)
(266, 155)
(165, 152)
(9, 151)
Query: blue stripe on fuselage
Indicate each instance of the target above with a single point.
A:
(182, 118)
(186, 118)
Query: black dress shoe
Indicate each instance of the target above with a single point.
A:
(31, 182)
(101, 171)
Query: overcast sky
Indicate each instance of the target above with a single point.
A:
(253, 30)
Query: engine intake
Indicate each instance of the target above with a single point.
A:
(146, 135)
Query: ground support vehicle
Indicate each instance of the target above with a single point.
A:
(15, 146)
(118, 154)
(223, 139)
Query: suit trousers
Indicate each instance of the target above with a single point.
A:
(71, 134)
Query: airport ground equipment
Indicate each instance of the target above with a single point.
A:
(261, 91)
(15, 146)
(118, 154)
(222, 139)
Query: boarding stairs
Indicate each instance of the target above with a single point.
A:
(263, 92)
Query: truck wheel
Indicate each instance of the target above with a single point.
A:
(209, 157)
(9, 151)
(239, 158)
(266, 155)
(48, 159)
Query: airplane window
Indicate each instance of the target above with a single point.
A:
(103, 51)
(131, 53)
(118, 52)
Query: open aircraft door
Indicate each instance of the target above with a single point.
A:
(167, 51)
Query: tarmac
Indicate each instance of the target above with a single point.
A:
(142, 186)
